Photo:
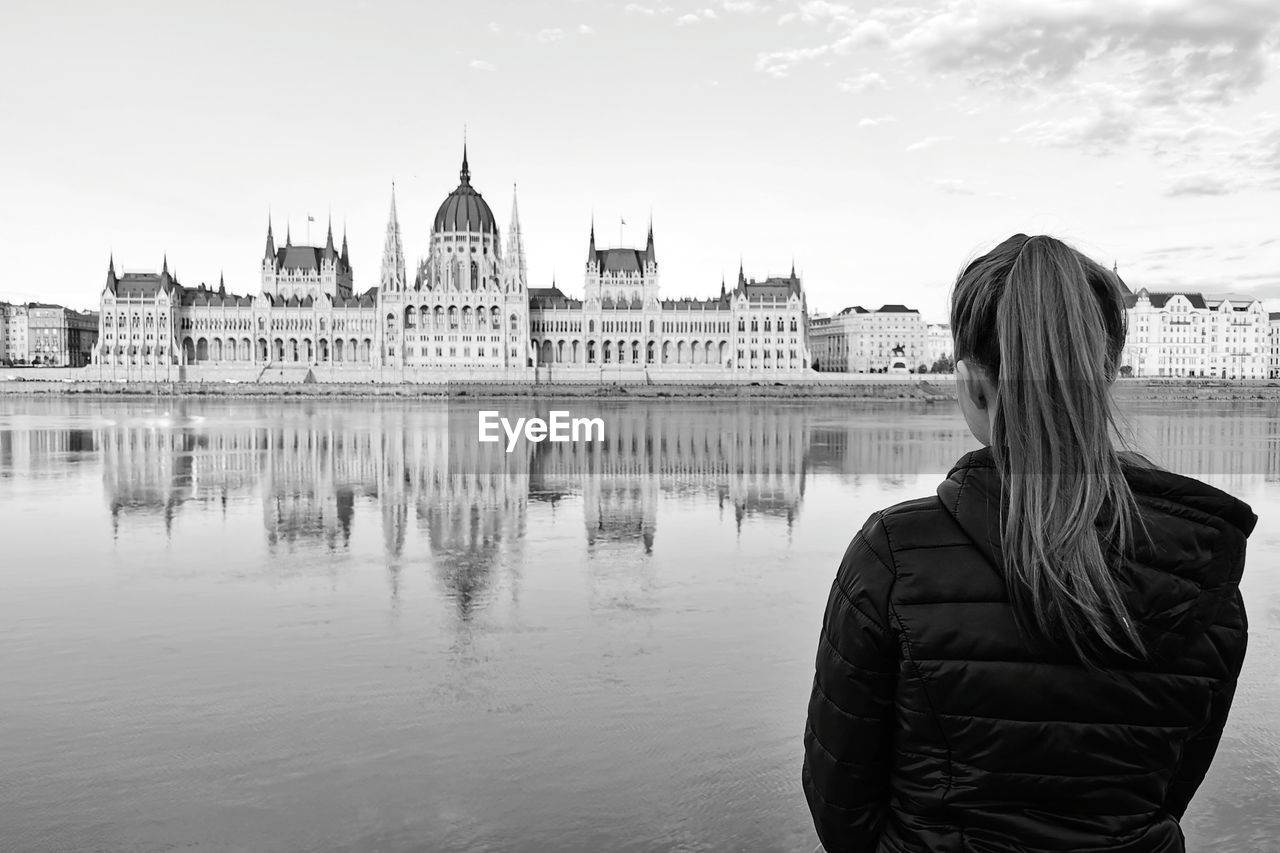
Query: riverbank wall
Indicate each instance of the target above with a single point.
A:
(926, 389)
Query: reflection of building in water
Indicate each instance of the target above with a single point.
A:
(892, 450)
(752, 457)
(44, 452)
(312, 475)
(1224, 446)
(147, 471)
(470, 499)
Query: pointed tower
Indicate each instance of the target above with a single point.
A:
(742, 277)
(288, 238)
(111, 274)
(393, 273)
(591, 248)
(346, 256)
(330, 253)
(650, 258)
(271, 243)
(517, 271)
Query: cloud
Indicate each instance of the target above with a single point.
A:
(1100, 76)
(780, 63)
(876, 121)
(494, 28)
(1205, 183)
(742, 7)
(707, 14)
(1174, 51)
(862, 83)
(953, 186)
(637, 9)
(550, 34)
(585, 30)
(481, 65)
(928, 142)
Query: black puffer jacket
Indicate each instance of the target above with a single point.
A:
(933, 727)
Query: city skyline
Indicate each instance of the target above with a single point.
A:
(877, 147)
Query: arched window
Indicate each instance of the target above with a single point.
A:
(410, 318)
(514, 323)
(475, 275)
(742, 324)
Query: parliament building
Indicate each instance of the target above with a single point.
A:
(467, 313)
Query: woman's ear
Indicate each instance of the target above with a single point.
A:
(970, 380)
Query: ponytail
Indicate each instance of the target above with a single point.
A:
(1048, 324)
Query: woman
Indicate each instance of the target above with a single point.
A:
(1041, 657)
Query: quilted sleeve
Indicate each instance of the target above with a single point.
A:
(849, 733)
(1230, 635)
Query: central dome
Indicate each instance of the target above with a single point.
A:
(465, 209)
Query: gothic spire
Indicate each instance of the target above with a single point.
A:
(288, 238)
(517, 270)
(271, 242)
(329, 250)
(111, 273)
(591, 249)
(393, 272)
(742, 277)
(649, 255)
(465, 174)
(164, 266)
(346, 257)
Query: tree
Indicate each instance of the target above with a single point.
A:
(943, 365)
(1126, 370)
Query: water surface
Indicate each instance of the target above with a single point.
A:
(341, 626)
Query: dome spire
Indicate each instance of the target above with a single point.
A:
(465, 174)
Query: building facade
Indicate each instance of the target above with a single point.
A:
(1189, 334)
(892, 338)
(939, 344)
(45, 335)
(468, 313)
(16, 337)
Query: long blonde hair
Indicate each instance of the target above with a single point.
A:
(1048, 324)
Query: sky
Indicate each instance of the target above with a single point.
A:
(878, 147)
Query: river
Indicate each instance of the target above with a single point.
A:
(231, 625)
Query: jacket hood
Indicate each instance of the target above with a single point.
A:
(1178, 573)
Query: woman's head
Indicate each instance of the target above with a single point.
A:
(1039, 330)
